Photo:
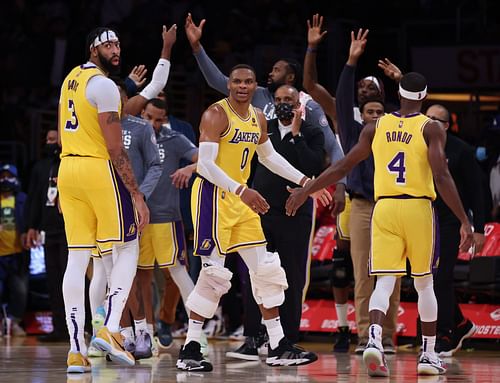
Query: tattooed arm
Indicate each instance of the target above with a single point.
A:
(112, 132)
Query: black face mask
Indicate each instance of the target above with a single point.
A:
(284, 111)
(8, 186)
(51, 150)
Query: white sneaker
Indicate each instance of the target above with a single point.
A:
(375, 362)
(430, 365)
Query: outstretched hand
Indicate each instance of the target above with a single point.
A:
(295, 200)
(358, 43)
(169, 35)
(314, 34)
(390, 70)
(253, 199)
(193, 31)
(137, 75)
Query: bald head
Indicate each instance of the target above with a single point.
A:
(288, 94)
(439, 113)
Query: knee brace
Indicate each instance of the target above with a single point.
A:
(269, 281)
(427, 303)
(342, 273)
(213, 282)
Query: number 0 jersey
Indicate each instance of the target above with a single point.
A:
(238, 143)
(79, 127)
(400, 154)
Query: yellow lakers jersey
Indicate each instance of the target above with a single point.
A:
(238, 143)
(400, 154)
(80, 131)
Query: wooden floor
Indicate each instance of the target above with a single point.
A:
(26, 360)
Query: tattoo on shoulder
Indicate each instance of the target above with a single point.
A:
(113, 117)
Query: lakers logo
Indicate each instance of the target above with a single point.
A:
(206, 244)
(131, 230)
(223, 195)
(400, 124)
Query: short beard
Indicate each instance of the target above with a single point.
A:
(273, 86)
(107, 66)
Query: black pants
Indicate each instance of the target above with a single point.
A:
(289, 237)
(56, 258)
(449, 313)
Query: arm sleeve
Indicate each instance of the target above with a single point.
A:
(214, 77)
(331, 145)
(348, 128)
(208, 169)
(158, 80)
(103, 94)
(272, 160)
(130, 86)
(311, 153)
(152, 162)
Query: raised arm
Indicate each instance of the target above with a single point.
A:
(435, 137)
(214, 77)
(348, 128)
(136, 104)
(310, 82)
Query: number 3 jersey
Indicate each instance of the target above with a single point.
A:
(79, 127)
(400, 155)
(238, 143)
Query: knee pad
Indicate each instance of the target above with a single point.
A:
(342, 273)
(213, 282)
(269, 282)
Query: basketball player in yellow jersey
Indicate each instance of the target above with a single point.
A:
(226, 219)
(408, 149)
(99, 196)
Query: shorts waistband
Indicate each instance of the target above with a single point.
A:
(404, 196)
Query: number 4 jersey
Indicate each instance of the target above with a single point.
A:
(79, 127)
(400, 154)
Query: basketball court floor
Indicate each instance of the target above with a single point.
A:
(27, 360)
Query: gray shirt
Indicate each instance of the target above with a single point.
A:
(164, 205)
(264, 100)
(140, 142)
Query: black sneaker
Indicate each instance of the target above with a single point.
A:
(343, 339)
(247, 351)
(287, 354)
(444, 348)
(191, 358)
(463, 331)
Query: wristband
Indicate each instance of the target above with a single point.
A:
(241, 191)
(312, 50)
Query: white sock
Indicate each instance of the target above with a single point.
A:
(428, 344)
(342, 314)
(141, 325)
(195, 329)
(150, 329)
(275, 331)
(74, 298)
(127, 332)
(375, 334)
(122, 276)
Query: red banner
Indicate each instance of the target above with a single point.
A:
(320, 316)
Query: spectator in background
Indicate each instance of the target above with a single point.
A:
(452, 326)
(14, 261)
(43, 215)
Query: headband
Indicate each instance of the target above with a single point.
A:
(416, 96)
(104, 37)
(374, 80)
